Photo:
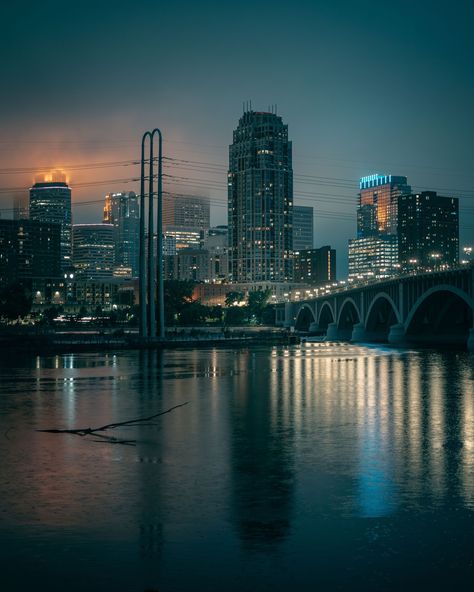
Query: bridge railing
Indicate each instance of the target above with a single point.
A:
(348, 285)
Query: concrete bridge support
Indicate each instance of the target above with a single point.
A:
(359, 334)
(397, 335)
(332, 332)
(470, 340)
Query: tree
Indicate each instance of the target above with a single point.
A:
(235, 315)
(257, 302)
(193, 313)
(15, 301)
(234, 297)
(178, 294)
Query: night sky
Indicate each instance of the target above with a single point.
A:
(364, 86)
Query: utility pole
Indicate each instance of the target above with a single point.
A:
(148, 267)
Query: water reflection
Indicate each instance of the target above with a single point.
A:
(279, 450)
(261, 452)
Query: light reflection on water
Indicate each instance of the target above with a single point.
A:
(286, 464)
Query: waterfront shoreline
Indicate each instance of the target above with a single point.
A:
(93, 342)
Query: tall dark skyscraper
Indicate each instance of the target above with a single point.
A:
(428, 231)
(122, 210)
(302, 228)
(50, 202)
(260, 200)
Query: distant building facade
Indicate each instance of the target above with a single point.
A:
(94, 251)
(260, 200)
(50, 202)
(191, 265)
(373, 257)
(428, 231)
(122, 210)
(303, 231)
(188, 211)
(29, 251)
(183, 237)
(315, 267)
(377, 213)
(216, 244)
(374, 253)
(21, 209)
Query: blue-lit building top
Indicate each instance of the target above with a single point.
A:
(376, 180)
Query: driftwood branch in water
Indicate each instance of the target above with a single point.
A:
(111, 426)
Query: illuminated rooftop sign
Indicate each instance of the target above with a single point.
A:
(374, 180)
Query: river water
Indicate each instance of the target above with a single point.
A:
(317, 467)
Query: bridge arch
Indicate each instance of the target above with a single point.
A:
(349, 315)
(326, 316)
(381, 315)
(304, 318)
(442, 314)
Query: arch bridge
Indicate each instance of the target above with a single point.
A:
(424, 309)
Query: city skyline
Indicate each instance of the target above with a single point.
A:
(417, 123)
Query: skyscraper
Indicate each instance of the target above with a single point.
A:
(428, 231)
(93, 251)
(260, 200)
(122, 210)
(302, 228)
(187, 211)
(50, 201)
(374, 253)
(378, 202)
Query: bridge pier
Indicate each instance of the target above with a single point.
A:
(359, 333)
(313, 327)
(332, 332)
(470, 340)
(396, 335)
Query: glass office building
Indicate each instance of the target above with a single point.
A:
(122, 210)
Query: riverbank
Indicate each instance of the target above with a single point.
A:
(65, 342)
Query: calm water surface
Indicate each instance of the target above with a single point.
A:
(311, 468)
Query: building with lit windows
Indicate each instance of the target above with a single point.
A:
(50, 202)
(182, 237)
(302, 228)
(260, 200)
(29, 251)
(122, 210)
(94, 251)
(315, 267)
(373, 257)
(374, 253)
(428, 231)
(378, 204)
